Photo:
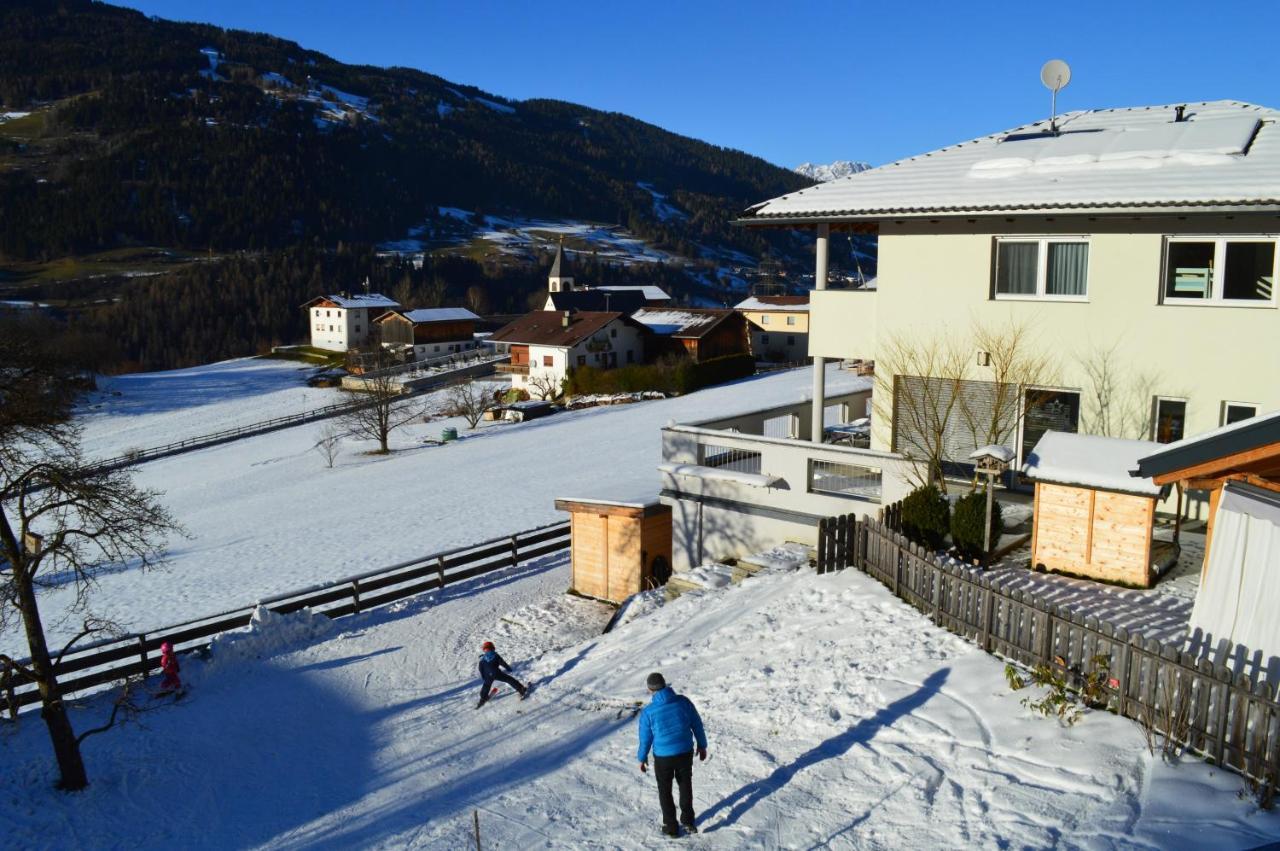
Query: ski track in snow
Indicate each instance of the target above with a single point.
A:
(837, 718)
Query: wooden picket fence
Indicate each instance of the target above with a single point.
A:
(1221, 704)
(112, 660)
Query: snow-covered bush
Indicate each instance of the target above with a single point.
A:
(967, 518)
(925, 516)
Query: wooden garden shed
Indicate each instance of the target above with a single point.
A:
(618, 547)
(1091, 517)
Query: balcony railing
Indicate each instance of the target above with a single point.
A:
(513, 368)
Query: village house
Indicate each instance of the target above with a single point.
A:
(698, 333)
(428, 333)
(340, 323)
(1135, 247)
(779, 327)
(546, 345)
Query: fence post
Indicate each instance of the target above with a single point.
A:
(988, 610)
(1121, 670)
(822, 544)
(515, 551)
(142, 651)
(355, 595)
(440, 569)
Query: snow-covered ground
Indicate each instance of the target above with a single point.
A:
(837, 717)
(266, 516)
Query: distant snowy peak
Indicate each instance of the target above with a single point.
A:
(831, 171)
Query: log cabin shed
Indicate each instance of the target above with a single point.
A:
(1091, 518)
(1239, 465)
(618, 547)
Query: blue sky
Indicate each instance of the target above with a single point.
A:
(798, 81)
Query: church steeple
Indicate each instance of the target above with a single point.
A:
(557, 279)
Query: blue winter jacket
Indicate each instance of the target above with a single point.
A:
(669, 725)
(491, 663)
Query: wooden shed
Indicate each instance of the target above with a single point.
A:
(1091, 517)
(618, 547)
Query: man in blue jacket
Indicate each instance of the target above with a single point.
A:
(669, 725)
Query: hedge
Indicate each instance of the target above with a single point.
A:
(668, 376)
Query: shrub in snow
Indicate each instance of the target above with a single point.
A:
(967, 517)
(926, 517)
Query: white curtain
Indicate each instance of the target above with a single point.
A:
(1068, 263)
(1016, 268)
(1239, 594)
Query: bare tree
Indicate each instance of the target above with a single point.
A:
(330, 444)
(543, 386)
(469, 400)
(60, 518)
(477, 300)
(1015, 370)
(1116, 402)
(385, 408)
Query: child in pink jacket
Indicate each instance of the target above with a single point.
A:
(169, 664)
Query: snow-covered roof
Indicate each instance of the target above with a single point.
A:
(438, 314)
(719, 474)
(359, 300)
(649, 291)
(1223, 155)
(680, 322)
(794, 303)
(1001, 453)
(1090, 461)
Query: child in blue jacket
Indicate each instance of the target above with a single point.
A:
(669, 725)
(491, 665)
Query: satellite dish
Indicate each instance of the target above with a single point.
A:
(1055, 75)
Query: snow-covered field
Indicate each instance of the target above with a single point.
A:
(837, 718)
(266, 516)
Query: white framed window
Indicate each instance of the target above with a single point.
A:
(1211, 270)
(791, 320)
(1054, 268)
(1169, 419)
(1234, 412)
(764, 319)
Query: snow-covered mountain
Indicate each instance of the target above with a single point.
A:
(830, 171)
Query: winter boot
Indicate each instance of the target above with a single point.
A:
(691, 827)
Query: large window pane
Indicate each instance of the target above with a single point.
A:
(1068, 262)
(1016, 268)
(1249, 270)
(1190, 271)
(1171, 419)
(1048, 410)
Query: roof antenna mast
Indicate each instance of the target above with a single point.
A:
(1055, 75)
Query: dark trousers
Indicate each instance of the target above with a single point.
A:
(680, 769)
(501, 677)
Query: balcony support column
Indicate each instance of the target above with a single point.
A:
(819, 363)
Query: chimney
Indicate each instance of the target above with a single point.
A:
(566, 319)
(1178, 113)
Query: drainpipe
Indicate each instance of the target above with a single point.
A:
(819, 362)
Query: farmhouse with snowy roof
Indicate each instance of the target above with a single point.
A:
(699, 333)
(429, 333)
(1143, 238)
(779, 326)
(545, 345)
(343, 322)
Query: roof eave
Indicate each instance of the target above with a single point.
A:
(854, 217)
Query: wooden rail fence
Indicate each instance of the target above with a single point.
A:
(111, 660)
(1221, 704)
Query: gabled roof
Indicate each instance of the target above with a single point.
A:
(774, 303)
(1090, 461)
(426, 316)
(1225, 155)
(1225, 445)
(354, 301)
(626, 301)
(547, 328)
(682, 323)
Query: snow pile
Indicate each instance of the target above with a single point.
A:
(269, 634)
(709, 576)
(639, 605)
(782, 558)
(554, 623)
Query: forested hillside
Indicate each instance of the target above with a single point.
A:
(260, 158)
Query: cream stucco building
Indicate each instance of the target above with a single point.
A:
(1134, 250)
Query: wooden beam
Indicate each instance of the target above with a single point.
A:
(1035, 523)
(1214, 497)
(1221, 466)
